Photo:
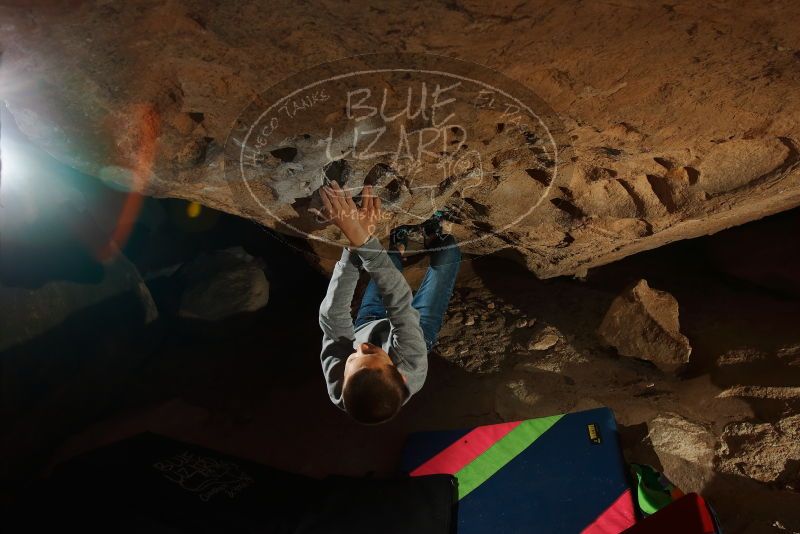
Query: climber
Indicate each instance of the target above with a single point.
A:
(373, 367)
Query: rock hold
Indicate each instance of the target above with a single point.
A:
(643, 323)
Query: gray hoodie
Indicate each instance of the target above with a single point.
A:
(400, 334)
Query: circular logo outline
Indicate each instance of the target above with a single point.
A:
(243, 144)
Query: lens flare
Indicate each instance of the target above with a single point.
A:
(193, 210)
(147, 128)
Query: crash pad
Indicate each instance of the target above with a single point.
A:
(151, 483)
(688, 515)
(561, 474)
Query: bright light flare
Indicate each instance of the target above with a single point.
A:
(13, 171)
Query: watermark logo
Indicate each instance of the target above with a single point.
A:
(433, 136)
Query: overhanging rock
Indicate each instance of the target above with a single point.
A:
(661, 139)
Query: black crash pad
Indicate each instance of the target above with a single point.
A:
(150, 483)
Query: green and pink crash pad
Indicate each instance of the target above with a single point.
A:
(561, 474)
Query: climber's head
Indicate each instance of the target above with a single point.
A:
(373, 389)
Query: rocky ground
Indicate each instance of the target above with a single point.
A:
(725, 424)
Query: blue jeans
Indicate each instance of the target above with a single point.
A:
(433, 295)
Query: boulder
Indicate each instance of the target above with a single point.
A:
(50, 274)
(675, 435)
(643, 323)
(222, 284)
(684, 448)
(766, 452)
(27, 313)
(65, 316)
(650, 151)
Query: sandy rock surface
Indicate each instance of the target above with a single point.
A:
(684, 448)
(679, 119)
(765, 452)
(674, 435)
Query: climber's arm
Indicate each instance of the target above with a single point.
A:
(337, 325)
(408, 342)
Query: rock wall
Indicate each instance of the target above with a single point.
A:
(681, 117)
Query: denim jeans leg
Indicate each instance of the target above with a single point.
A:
(434, 293)
(372, 303)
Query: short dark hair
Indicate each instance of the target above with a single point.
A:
(373, 396)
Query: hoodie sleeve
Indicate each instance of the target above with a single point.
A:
(337, 324)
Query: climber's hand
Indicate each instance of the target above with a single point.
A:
(344, 213)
